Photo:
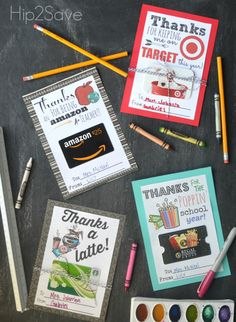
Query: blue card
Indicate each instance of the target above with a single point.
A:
(181, 227)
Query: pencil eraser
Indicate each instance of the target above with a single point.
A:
(226, 161)
(35, 26)
(27, 78)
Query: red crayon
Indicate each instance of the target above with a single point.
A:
(130, 268)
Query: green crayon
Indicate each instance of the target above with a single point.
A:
(183, 137)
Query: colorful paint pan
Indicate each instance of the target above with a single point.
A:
(192, 313)
(175, 313)
(224, 313)
(208, 313)
(141, 312)
(145, 309)
(158, 313)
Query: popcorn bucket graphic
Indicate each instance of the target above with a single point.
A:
(166, 86)
(192, 238)
(169, 216)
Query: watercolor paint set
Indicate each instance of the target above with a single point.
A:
(145, 309)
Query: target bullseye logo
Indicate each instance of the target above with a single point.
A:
(192, 47)
(177, 93)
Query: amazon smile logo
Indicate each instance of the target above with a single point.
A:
(86, 146)
(102, 148)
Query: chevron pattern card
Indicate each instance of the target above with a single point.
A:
(76, 261)
(80, 133)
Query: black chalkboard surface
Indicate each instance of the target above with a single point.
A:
(106, 27)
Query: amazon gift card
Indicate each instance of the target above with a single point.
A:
(85, 146)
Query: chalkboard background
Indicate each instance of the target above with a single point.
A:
(106, 27)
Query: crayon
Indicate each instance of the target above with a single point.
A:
(183, 137)
(217, 117)
(151, 137)
(130, 268)
(24, 184)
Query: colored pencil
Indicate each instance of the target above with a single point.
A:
(73, 66)
(80, 50)
(222, 109)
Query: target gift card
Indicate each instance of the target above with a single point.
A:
(169, 66)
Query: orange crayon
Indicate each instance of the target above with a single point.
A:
(151, 137)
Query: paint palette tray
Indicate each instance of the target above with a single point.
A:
(144, 309)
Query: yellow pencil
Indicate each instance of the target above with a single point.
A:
(222, 110)
(81, 50)
(73, 66)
